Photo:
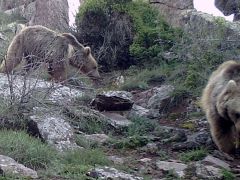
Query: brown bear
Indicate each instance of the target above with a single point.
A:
(221, 103)
(37, 44)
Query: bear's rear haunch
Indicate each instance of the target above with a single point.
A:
(221, 102)
(37, 44)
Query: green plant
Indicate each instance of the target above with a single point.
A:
(27, 150)
(227, 175)
(194, 155)
(140, 126)
(129, 143)
(142, 35)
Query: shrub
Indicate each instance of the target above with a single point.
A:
(124, 32)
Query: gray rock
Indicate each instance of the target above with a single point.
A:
(98, 138)
(151, 148)
(138, 111)
(208, 172)
(120, 94)
(172, 134)
(112, 121)
(27, 10)
(53, 128)
(117, 120)
(52, 14)
(228, 7)
(111, 173)
(10, 166)
(37, 89)
(173, 10)
(195, 140)
(113, 101)
(177, 167)
(10, 4)
(216, 162)
(161, 94)
(145, 160)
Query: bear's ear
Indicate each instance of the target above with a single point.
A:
(231, 86)
(87, 50)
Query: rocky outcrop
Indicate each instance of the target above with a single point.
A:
(173, 10)
(52, 14)
(10, 166)
(229, 7)
(205, 32)
(11, 4)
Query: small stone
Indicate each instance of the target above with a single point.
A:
(116, 160)
(112, 173)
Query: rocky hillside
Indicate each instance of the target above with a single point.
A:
(143, 120)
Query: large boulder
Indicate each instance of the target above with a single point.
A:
(229, 7)
(52, 14)
(53, 128)
(173, 10)
(11, 4)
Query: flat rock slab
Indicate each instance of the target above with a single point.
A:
(111, 173)
(53, 128)
(39, 89)
(98, 138)
(10, 166)
(117, 120)
(216, 162)
(177, 167)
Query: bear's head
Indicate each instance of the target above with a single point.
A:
(81, 57)
(228, 103)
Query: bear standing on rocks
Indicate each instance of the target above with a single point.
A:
(37, 44)
(221, 102)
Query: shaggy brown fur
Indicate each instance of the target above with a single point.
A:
(37, 44)
(221, 102)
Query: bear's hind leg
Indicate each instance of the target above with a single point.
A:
(14, 56)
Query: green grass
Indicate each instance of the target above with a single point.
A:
(142, 78)
(140, 126)
(25, 149)
(227, 175)
(34, 154)
(194, 155)
(75, 164)
(131, 142)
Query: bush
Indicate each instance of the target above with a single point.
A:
(124, 32)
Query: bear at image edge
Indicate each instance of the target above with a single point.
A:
(221, 102)
(38, 44)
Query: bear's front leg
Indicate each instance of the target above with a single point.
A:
(223, 133)
(57, 72)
